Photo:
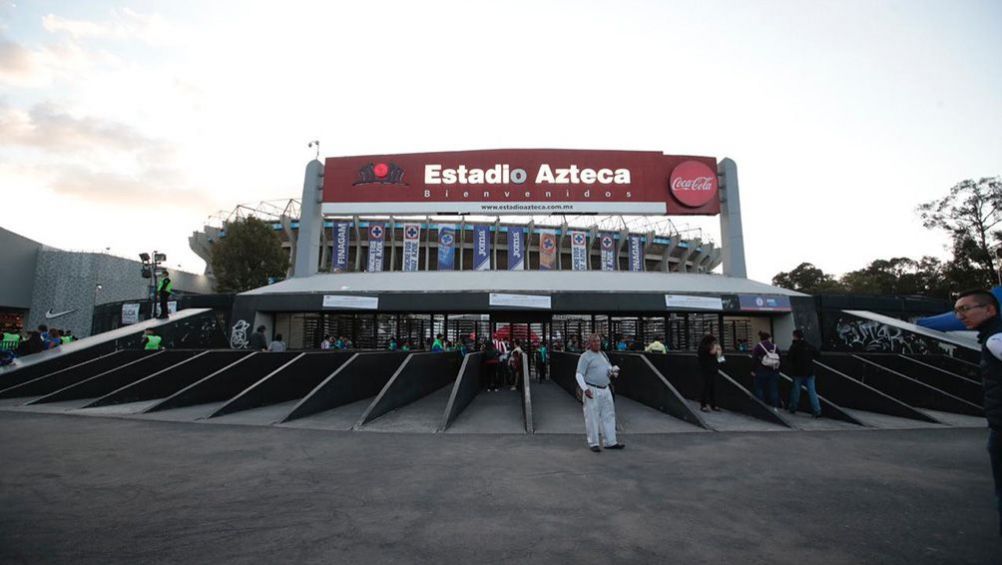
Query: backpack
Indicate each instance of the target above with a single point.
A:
(771, 358)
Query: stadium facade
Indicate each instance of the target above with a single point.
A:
(477, 242)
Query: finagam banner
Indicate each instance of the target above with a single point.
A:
(636, 254)
(522, 181)
(342, 239)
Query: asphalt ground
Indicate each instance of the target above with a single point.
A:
(104, 490)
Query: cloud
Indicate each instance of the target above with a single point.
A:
(123, 24)
(48, 127)
(151, 188)
(37, 67)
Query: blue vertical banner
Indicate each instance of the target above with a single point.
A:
(608, 245)
(342, 241)
(412, 244)
(446, 248)
(481, 248)
(579, 251)
(636, 253)
(516, 249)
(377, 236)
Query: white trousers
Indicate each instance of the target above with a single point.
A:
(600, 415)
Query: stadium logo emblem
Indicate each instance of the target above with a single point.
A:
(579, 239)
(380, 173)
(411, 232)
(375, 231)
(447, 238)
(606, 242)
(548, 244)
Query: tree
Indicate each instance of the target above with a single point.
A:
(248, 256)
(970, 213)
(899, 275)
(805, 277)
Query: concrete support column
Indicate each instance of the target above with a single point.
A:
(731, 231)
(311, 222)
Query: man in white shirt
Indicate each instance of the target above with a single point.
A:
(594, 374)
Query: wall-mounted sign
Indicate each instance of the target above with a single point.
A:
(351, 302)
(763, 303)
(520, 300)
(521, 181)
(130, 314)
(684, 302)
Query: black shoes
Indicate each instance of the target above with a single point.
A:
(596, 448)
(617, 446)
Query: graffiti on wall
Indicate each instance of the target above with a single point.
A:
(238, 335)
(855, 334)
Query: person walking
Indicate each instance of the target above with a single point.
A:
(515, 365)
(594, 374)
(437, 345)
(766, 371)
(277, 344)
(542, 358)
(489, 370)
(258, 342)
(979, 310)
(801, 357)
(709, 356)
(164, 289)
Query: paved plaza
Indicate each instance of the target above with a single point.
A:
(79, 489)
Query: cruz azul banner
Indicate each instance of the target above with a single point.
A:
(342, 239)
(522, 181)
(608, 246)
(481, 248)
(547, 250)
(636, 254)
(446, 247)
(579, 251)
(412, 242)
(377, 235)
(516, 249)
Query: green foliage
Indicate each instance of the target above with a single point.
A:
(970, 214)
(805, 277)
(248, 256)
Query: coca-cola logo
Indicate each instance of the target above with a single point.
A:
(693, 183)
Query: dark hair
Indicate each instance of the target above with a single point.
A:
(43, 328)
(982, 294)
(260, 328)
(798, 334)
(764, 335)
(708, 340)
(278, 337)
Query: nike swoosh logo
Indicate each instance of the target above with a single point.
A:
(50, 314)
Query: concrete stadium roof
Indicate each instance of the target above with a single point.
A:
(521, 281)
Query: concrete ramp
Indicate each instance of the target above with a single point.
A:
(223, 385)
(164, 383)
(184, 329)
(682, 370)
(931, 375)
(640, 381)
(464, 390)
(291, 382)
(900, 386)
(359, 379)
(419, 376)
(854, 395)
(114, 379)
(71, 375)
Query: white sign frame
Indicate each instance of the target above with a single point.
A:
(535, 301)
(351, 302)
(688, 302)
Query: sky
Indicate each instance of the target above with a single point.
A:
(125, 126)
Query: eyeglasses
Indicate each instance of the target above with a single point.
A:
(965, 309)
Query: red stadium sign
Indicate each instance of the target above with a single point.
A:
(521, 181)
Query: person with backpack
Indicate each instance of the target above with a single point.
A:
(801, 357)
(766, 373)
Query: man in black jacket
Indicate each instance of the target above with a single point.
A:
(979, 310)
(801, 358)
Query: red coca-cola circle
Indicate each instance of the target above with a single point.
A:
(381, 170)
(693, 183)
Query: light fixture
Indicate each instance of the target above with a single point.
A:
(145, 257)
